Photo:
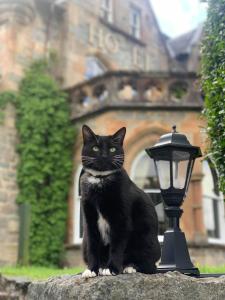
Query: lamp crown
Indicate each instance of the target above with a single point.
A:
(174, 127)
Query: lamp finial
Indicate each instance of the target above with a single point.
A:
(174, 127)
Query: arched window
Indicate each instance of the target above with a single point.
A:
(144, 175)
(94, 67)
(213, 204)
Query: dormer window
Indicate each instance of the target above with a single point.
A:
(135, 22)
(107, 10)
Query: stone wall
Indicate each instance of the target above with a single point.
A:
(170, 286)
(13, 288)
(204, 255)
(9, 221)
(30, 29)
(88, 35)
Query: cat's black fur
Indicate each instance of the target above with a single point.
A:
(130, 213)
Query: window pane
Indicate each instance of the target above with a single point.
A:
(162, 218)
(211, 217)
(81, 222)
(163, 168)
(146, 178)
(135, 22)
(210, 203)
(94, 67)
(145, 174)
(208, 182)
(106, 10)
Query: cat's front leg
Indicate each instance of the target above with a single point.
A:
(118, 244)
(92, 239)
(92, 257)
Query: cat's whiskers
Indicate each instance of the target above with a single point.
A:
(87, 160)
(87, 163)
(118, 160)
(117, 164)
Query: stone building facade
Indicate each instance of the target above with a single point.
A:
(9, 219)
(119, 70)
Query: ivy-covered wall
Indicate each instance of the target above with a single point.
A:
(213, 82)
(45, 147)
(45, 151)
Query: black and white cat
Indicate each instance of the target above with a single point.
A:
(120, 221)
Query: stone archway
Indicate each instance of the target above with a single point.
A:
(142, 137)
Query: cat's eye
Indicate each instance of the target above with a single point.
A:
(95, 148)
(113, 149)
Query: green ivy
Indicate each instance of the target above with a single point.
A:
(44, 172)
(213, 82)
(5, 98)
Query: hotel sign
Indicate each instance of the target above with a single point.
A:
(112, 43)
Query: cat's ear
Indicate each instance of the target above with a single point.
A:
(88, 134)
(118, 137)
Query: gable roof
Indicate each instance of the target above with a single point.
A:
(183, 44)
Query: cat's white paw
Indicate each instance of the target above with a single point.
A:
(107, 272)
(88, 274)
(129, 270)
(100, 270)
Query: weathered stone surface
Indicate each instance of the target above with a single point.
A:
(9, 220)
(13, 288)
(172, 285)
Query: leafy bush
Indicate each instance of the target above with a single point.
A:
(213, 82)
(45, 148)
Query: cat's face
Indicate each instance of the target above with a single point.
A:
(102, 153)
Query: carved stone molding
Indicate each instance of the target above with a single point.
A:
(16, 11)
(133, 90)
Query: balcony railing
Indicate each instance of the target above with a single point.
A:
(135, 90)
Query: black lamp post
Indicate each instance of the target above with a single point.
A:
(174, 159)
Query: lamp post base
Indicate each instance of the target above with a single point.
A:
(175, 255)
(191, 272)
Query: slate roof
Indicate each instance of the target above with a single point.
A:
(183, 44)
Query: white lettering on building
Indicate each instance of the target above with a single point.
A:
(109, 43)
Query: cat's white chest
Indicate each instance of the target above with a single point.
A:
(93, 180)
(104, 229)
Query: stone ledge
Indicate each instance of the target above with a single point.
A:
(13, 288)
(172, 285)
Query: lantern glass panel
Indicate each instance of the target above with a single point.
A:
(189, 175)
(180, 165)
(163, 169)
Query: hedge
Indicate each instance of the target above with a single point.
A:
(213, 83)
